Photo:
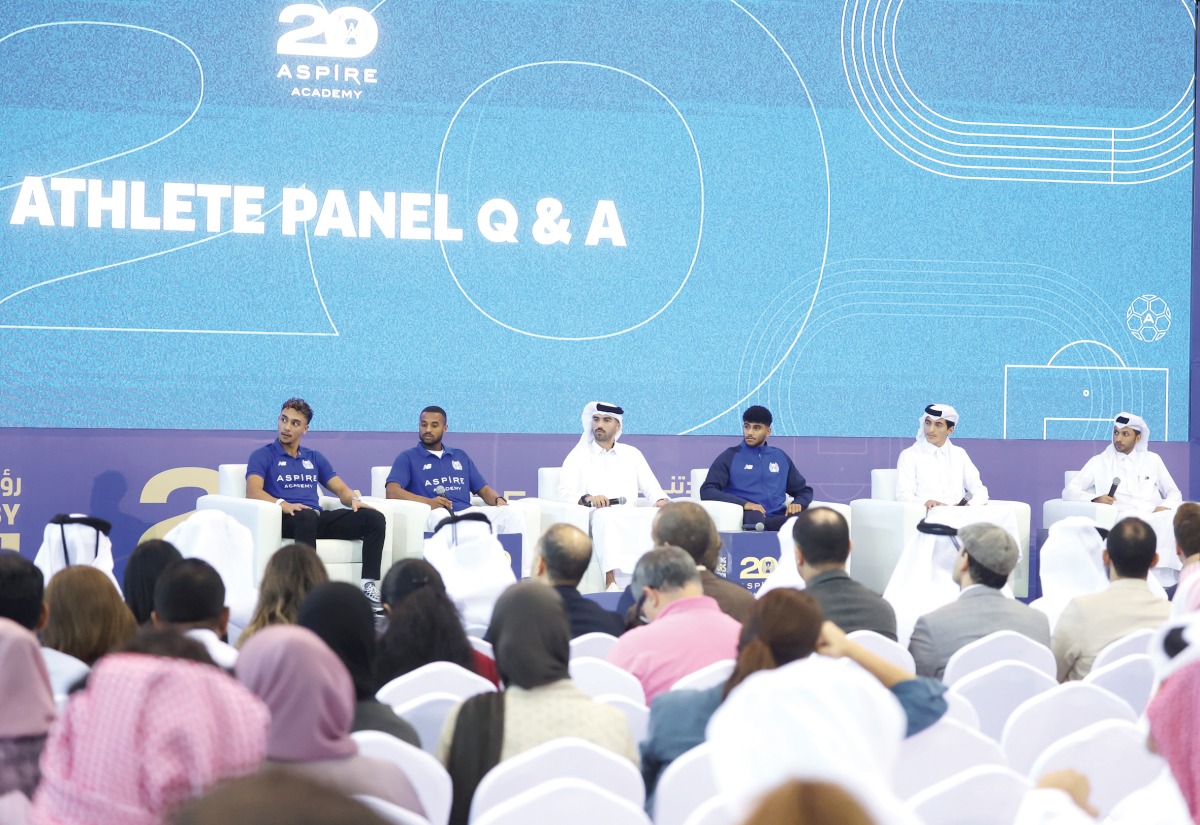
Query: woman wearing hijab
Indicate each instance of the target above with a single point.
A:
(26, 709)
(311, 698)
(148, 560)
(341, 615)
(540, 702)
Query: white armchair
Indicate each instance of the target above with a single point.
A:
(264, 519)
(1057, 509)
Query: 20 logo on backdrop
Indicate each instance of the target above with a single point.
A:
(344, 34)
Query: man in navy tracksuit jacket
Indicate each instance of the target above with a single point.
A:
(757, 476)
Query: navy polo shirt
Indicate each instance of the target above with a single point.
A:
(295, 480)
(421, 472)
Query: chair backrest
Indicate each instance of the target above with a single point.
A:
(565, 800)
(231, 480)
(435, 677)
(595, 645)
(686, 783)
(427, 714)
(885, 648)
(883, 484)
(476, 631)
(999, 689)
(379, 481)
(596, 677)
(1111, 754)
(699, 476)
(939, 752)
(389, 813)
(960, 709)
(429, 779)
(483, 647)
(1003, 645)
(1048, 717)
(547, 481)
(637, 715)
(717, 673)
(1131, 678)
(1128, 645)
(567, 758)
(719, 810)
(991, 793)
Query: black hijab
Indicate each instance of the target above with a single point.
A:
(145, 564)
(340, 614)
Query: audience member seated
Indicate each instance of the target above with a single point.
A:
(987, 555)
(291, 573)
(75, 540)
(686, 630)
(471, 562)
(87, 617)
(146, 734)
(311, 698)
(343, 617)
(539, 703)
(21, 601)
(797, 802)
(168, 643)
(560, 559)
(423, 625)
(275, 798)
(26, 708)
(822, 542)
(1186, 598)
(1173, 734)
(687, 525)
(1090, 623)
(142, 570)
(190, 597)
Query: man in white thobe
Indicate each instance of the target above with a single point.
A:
(933, 471)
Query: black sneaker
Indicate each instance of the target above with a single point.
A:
(371, 591)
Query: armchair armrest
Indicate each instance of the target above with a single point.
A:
(725, 514)
(406, 520)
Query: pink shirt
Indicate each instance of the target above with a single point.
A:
(687, 635)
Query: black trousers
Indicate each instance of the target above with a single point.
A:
(368, 525)
(770, 523)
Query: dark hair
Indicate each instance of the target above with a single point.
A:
(300, 406)
(805, 802)
(145, 565)
(340, 614)
(985, 575)
(167, 643)
(21, 587)
(293, 571)
(783, 626)
(1187, 528)
(88, 618)
(822, 536)
(423, 624)
(1131, 547)
(274, 798)
(687, 525)
(434, 408)
(189, 591)
(567, 551)
(757, 414)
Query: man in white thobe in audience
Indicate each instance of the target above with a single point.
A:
(933, 471)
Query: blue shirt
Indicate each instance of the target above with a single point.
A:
(421, 472)
(294, 480)
(764, 475)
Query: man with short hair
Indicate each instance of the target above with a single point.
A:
(287, 474)
(189, 596)
(933, 471)
(686, 525)
(987, 556)
(560, 559)
(687, 630)
(22, 586)
(822, 540)
(1090, 623)
(757, 477)
(1186, 525)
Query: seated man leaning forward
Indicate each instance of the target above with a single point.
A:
(600, 473)
(757, 477)
(287, 474)
(933, 472)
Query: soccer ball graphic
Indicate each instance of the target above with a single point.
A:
(1148, 318)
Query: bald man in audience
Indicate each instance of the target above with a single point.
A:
(560, 559)
(687, 525)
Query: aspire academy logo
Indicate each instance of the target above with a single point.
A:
(327, 38)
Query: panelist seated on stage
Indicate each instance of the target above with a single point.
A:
(757, 477)
(444, 478)
(289, 475)
(599, 472)
(933, 471)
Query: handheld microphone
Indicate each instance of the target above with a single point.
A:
(1112, 491)
(757, 527)
(617, 500)
(441, 491)
(966, 498)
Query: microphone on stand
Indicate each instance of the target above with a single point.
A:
(966, 498)
(1112, 491)
(441, 491)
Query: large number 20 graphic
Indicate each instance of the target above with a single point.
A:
(347, 32)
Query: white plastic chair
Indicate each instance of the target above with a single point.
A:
(435, 677)
(1003, 645)
(719, 810)
(392, 814)
(1057, 509)
(939, 752)
(555, 799)
(1128, 645)
(476, 631)
(595, 645)
(984, 795)
(637, 715)
(596, 677)
(997, 690)
(427, 715)
(960, 709)
(1111, 754)
(1048, 717)
(717, 673)
(885, 648)
(483, 647)
(1131, 678)
(568, 758)
(429, 779)
(684, 786)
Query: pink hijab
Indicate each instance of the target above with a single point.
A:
(27, 708)
(1173, 717)
(308, 690)
(147, 733)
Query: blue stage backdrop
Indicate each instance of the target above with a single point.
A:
(841, 210)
